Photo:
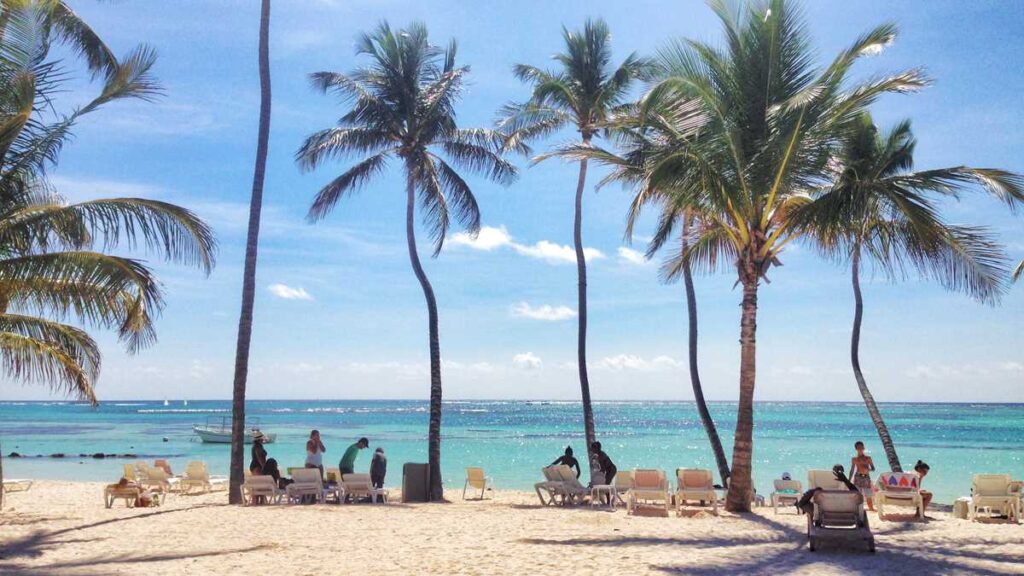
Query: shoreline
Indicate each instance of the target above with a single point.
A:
(63, 528)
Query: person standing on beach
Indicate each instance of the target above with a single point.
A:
(378, 468)
(348, 459)
(569, 460)
(315, 452)
(861, 467)
(259, 454)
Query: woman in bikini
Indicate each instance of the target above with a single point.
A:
(861, 467)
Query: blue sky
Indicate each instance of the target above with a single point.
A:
(339, 313)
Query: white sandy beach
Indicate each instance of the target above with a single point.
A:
(63, 528)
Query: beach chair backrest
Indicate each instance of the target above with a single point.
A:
(333, 474)
(163, 465)
(129, 473)
(476, 477)
(693, 479)
(898, 482)
(648, 479)
(196, 470)
(823, 479)
(567, 476)
(838, 508)
(306, 476)
(785, 485)
(991, 484)
(624, 480)
(157, 475)
(262, 483)
(551, 474)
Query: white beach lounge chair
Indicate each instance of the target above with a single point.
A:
(257, 486)
(695, 485)
(573, 491)
(623, 484)
(552, 486)
(898, 489)
(158, 480)
(649, 486)
(357, 486)
(305, 482)
(197, 476)
(824, 479)
(476, 478)
(16, 485)
(838, 516)
(786, 492)
(993, 492)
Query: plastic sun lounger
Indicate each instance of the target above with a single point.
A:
(898, 489)
(16, 485)
(623, 484)
(695, 485)
(476, 478)
(552, 485)
(197, 476)
(158, 479)
(839, 517)
(786, 492)
(129, 493)
(995, 491)
(358, 485)
(257, 486)
(572, 490)
(824, 479)
(648, 486)
(305, 482)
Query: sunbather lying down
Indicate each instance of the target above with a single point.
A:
(806, 507)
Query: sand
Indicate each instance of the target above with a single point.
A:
(63, 528)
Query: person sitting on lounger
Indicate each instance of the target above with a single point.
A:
(348, 459)
(922, 470)
(569, 460)
(378, 468)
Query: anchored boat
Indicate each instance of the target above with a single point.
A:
(220, 432)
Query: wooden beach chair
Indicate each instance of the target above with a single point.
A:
(649, 486)
(476, 478)
(824, 479)
(838, 517)
(694, 485)
(257, 486)
(898, 489)
(786, 492)
(197, 476)
(991, 492)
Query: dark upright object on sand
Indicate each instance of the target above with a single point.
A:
(415, 482)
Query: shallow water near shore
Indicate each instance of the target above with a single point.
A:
(512, 440)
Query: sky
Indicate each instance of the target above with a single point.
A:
(339, 313)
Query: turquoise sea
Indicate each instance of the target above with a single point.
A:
(512, 440)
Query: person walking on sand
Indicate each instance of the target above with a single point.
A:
(861, 467)
(315, 452)
(348, 459)
(569, 460)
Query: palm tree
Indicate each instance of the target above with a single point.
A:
(878, 210)
(772, 119)
(582, 94)
(54, 264)
(249, 274)
(403, 106)
(68, 28)
(649, 139)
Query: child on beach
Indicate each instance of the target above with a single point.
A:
(922, 470)
(861, 467)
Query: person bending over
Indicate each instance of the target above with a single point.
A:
(569, 460)
(922, 470)
(348, 459)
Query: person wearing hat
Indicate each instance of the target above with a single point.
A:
(259, 454)
(348, 459)
(378, 468)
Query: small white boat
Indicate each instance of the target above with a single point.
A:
(221, 433)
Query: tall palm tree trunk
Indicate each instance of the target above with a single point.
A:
(869, 400)
(698, 391)
(740, 485)
(249, 275)
(434, 431)
(581, 343)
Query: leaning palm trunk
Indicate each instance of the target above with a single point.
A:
(581, 345)
(434, 431)
(698, 391)
(249, 275)
(740, 484)
(869, 400)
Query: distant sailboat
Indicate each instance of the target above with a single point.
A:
(166, 403)
(184, 402)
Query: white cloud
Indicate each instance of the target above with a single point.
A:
(634, 257)
(526, 361)
(1012, 366)
(801, 370)
(546, 312)
(289, 293)
(634, 362)
(491, 238)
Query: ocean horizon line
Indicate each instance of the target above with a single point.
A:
(512, 400)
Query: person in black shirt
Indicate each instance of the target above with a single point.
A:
(378, 468)
(259, 455)
(568, 460)
(605, 463)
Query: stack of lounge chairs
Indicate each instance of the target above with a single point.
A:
(995, 493)
(561, 486)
